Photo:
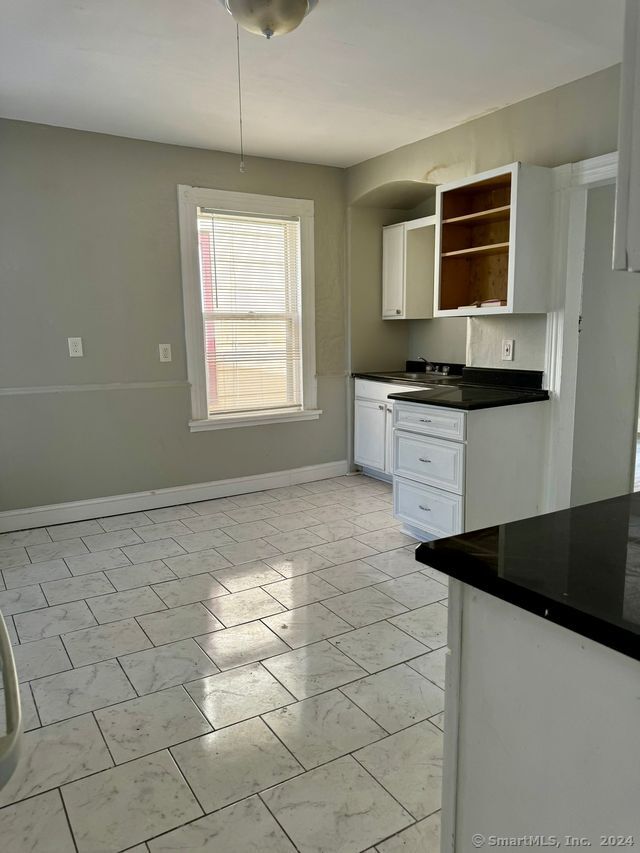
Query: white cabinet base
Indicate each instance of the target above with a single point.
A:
(373, 426)
(456, 471)
(434, 511)
(377, 475)
(541, 729)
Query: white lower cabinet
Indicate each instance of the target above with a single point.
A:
(455, 471)
(430, 460)
(433, 510)
(373, 425)
(369, 442)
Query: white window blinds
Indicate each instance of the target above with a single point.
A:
(251, 294)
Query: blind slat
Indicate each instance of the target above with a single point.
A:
(250, 281)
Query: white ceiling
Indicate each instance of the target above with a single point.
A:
(358, 78)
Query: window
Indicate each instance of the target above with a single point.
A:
(248, 288)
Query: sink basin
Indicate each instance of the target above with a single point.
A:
(414, 377)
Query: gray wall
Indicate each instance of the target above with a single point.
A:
(89, 247)
(375, 344)
(484, 342)
(567, 124)
(444, 339)
(606, 401)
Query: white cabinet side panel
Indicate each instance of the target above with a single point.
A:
(503, 479)
(548, 739)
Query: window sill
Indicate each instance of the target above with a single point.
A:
(257, 419)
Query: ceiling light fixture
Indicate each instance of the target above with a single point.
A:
(269, 17)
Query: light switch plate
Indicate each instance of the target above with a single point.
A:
(75, 347)
(165, 352)
(507, 350)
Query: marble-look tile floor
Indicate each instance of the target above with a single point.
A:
(255, 674)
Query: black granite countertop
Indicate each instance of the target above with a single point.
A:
(579, 568)
(396, 377)
(476, 388)
(467, 397)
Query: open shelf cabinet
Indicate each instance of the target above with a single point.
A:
(493, 243)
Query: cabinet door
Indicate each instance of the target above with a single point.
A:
(388, 452)
(393, 271)
(369, 434)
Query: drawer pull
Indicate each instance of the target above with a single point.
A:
(381, 406)
(425, 420)
(422, 459)
(424, 508)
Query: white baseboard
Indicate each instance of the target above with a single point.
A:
(43, 516)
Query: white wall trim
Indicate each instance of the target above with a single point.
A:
(107, 386)
(595, 171)
(189, 199)
(261, 418)
(41, 516)
(572, 184)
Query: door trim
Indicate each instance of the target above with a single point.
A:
(572, 183)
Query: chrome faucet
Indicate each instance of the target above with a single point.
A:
(428, 364)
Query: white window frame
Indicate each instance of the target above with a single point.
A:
(189, 199)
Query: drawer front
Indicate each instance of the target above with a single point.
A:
(435, 512)
(429, 420)
(366, 389)
(429, 460)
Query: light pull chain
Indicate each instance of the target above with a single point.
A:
(242, 166)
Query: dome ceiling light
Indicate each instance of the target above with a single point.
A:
(266, 18)
(269, 17)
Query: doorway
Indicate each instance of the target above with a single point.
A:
(605, 437)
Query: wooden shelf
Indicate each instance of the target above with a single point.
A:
(494, 214)
(493, 238)
(476, 251)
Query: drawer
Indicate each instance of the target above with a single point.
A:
(429, 460)
(436, 512)
(430, 420)
(366, 389)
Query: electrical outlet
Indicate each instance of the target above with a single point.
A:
(165, 352)
(75, 347)
(507, 350)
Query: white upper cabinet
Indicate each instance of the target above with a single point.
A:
(626, 238)
(393, 271)
(493, 243)
(408, 253)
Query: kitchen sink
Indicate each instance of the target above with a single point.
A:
(414, 377)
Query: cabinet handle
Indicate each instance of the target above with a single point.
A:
(422, 459)
(425, 420)
(398, 311)
(389, 409)
(381, 406)
(424, 508)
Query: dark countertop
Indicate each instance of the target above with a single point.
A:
(469, 396)
(476, 388)
(579, 568)
(397, 378)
